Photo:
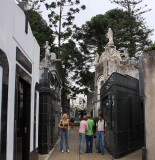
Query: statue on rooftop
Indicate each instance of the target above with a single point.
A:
(47, 50)
(110, 36)
(96, 58)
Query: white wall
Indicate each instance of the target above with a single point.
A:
(6, 44)
(79, 97)
(97, 103)
(35, 79)
(12, 34)
(149, 91)
(27, 41)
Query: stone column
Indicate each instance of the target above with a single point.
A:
(149, 94)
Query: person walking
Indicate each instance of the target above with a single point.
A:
(72, 122)
(82, 129)
(100, 134)
(89, 135)
(64, 125)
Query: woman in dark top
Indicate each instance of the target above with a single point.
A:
(64, 125)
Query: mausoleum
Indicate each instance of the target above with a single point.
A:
(112, 60)
(19, 77)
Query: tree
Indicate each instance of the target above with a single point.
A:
(130, 6)
(151, 47)
(91, 38)
(62, 24)
(92, 35)
(74, 63)
(139, 43)
(41, 31)
(61, 17)
(63, 28)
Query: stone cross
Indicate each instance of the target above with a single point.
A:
(110, 36)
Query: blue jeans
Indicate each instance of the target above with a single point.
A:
(81, 141)
(64, 135)
(89, 144)
(100, 141)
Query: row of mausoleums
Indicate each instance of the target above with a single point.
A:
(22, 112)
(124, 94)
(128, 106)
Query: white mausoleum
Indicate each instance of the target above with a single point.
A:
(19, 76)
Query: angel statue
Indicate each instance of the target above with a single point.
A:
(110, 36)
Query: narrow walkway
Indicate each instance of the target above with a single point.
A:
(74, 155)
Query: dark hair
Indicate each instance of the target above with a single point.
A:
(101, 115)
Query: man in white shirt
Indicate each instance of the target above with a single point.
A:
(100, 134)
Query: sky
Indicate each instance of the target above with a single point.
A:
(94, 7)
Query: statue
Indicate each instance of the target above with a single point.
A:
(50, 57)
(47, 54)
(96, 58)
(47, 50)
(110, 36)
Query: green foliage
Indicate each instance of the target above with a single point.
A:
(79, 45)
(128, 32)
(41, 31)
(131, 7)
(60, 22)
(95, 119)
(91, 38)
(63, 28)
(75, 62)
(138, 31)
(92, 35)
(151, 47)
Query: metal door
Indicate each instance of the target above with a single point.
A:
(22, 120)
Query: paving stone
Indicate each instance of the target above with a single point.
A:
(74, 155)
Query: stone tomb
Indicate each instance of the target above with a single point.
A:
(111, 61)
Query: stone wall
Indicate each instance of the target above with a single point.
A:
(149, 93)
(90, 97)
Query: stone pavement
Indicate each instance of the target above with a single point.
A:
(74, 155)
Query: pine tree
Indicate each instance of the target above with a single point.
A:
(92, 38)
(138, 43)
(61, 16)
(130, 6)
(60, 21)
(41, 31)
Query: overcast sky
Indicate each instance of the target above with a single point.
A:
(94, 7)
